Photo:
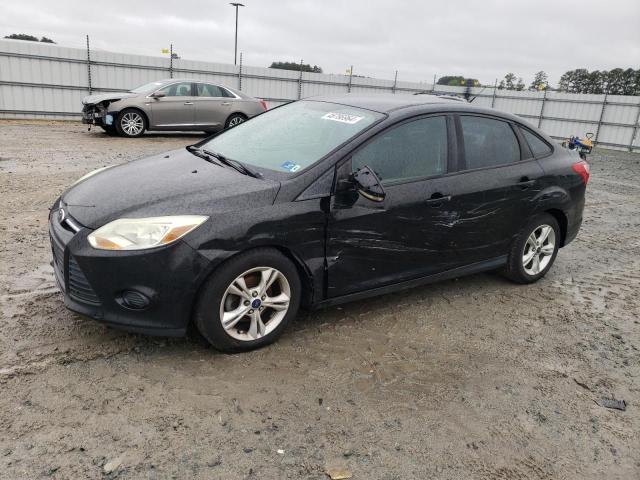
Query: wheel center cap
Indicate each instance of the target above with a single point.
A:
(256, 303)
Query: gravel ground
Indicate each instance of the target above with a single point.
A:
(475, 378)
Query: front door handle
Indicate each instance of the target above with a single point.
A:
(525, 182)
(188, 103)
(226, 104)
(437, 200)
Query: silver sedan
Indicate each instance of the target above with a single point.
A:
(172, 104)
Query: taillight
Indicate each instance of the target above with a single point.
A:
(264, 105)
(582, 169)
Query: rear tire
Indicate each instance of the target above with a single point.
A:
(234, 120)
(256, 294)
(131, 123)
(534, 250)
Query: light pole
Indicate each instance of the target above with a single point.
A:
(235, 51)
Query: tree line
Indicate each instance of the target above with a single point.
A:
(614, 82)
(29, 38)
(617, 81)
(305, 67)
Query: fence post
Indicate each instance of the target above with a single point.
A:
(495, 91)
(433, 85)
(604, 104)
(395, 83)
(300, 81)
(350, 79)
(544, 99)
(171, 61)
(635, 129)
(89, 66)
(240, 74)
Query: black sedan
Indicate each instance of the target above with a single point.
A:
(314, 203)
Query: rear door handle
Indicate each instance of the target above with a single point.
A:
(188, 103)
(437, 200)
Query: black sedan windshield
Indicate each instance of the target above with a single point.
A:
(293, 137)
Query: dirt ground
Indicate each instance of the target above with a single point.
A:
(475, 378)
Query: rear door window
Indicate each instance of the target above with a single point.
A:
(538, 146)
(488, 142)
(208, 90)
(412, 150)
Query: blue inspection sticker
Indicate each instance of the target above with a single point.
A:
(291, 167)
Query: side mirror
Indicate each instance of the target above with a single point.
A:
(158, 95)
(368, 184)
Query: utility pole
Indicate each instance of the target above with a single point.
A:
(235, 50)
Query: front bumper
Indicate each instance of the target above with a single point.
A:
(97, 115)
(93, 281)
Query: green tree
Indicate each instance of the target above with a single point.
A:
(305, 67)
(520, 85)
(595, 82)
(540, 81)
(46, 40)
(508, 82)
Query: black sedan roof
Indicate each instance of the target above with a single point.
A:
(385, 103)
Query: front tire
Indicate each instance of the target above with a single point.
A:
(131, 123)
(534, 250)
(248, 302)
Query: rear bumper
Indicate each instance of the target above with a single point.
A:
(93, 282)
(572, 231)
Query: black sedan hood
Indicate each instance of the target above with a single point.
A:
(172, 183)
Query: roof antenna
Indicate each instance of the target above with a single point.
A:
(479, 93)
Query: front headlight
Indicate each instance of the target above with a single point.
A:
(141, 233)
(91, 174)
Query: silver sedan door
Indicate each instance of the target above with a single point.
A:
(176, 108)
(213, 106)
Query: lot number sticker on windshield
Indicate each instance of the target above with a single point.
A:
(342, 117)
(290, 166)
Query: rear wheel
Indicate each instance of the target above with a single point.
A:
(248, 302)
(235, 119)
(131, 123)
(534, 250)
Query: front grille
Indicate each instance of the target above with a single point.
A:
(79, 287)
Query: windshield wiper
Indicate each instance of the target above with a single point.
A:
(198, 152)
(240, 167)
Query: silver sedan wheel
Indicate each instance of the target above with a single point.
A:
(539, 249)
(255, 303)
(132, 123)
(235, 121)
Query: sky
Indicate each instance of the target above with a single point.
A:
(478, 39)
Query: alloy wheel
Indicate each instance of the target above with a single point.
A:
(539, 249)
(235, 121)
(255, 303)
(132, 123)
